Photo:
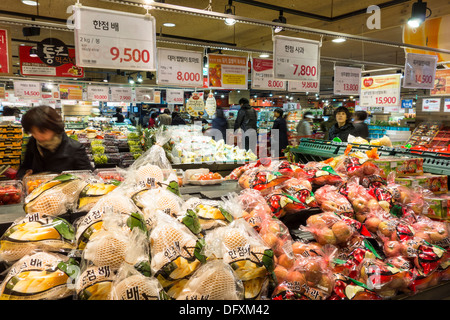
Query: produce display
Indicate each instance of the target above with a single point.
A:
(10, 192)
(332, 230)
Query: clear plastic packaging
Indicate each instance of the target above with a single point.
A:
(11, 192)
(330, 200)
(35, 180)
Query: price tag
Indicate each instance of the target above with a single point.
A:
(98, 93)
(431, 105)
(174, 96)
(380, 91)
(304, 86)
(262, 76)
(121, 94)
(347, 80)
(296, 59)
(27, 89)
(180, 67)
(114, 40)
(144, 94)
(420, 71)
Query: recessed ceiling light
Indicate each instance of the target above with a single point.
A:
(169, 24)
(339, 40)
(264, 55)
(30, 2)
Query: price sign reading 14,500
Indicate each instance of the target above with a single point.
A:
(424, 78)
(128, 54)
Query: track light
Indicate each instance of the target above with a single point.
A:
(33, 52)
(418, 14)
(281, 19)
(130, 80)
(339, 40)
(139, 78)
(106, 79)
(229, 9)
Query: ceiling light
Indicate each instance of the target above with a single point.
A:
(229, 9)
(130, 80)
(418, 14)
(281, 19)
(264, 55)
(139, 77)
(30, 2)
(169, 24)
(33, 52)
(339, 40)
(106, 79)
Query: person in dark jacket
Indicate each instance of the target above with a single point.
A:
(119, 115)
(246, 120)
(281, 126)
(152, 120)
(50, 149)
(220, 123)
(361, 128)
(177, 119)
(343, 126)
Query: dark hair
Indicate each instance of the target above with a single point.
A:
(220, 113)
(244, 101)
(8, 111)
(166, 111)
(361, 115)
(154, 115)
(345, 110)
(231, 114)
(118, 110)
(279, 111)
(43, 117)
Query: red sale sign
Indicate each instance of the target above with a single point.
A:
(262, 76)
(5, 59)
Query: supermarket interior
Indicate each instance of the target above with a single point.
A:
(224, 150)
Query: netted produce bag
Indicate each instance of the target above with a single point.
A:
(36, 231)
(214, 280)
(240, 246)
(357, 163)
(346, 288)
(94, 190)
(319, 174)
(175, 253)
(255, 208)
(40, 276)
(330, 200)
(300, 189)
(95, 283)
(55, 197)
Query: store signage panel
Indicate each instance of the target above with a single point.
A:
(211, 104)
(180, 68)
(431, 105)
(262, 76)
(98, 93)
(5, 53)
(381, 91)
(27, 89)
(296, 59)
(347, 81)
(195, 105)
(227, 72)
(114, 40)
(407, 104)
(144, 94)
(121, 94)
(420, 71)
(441, 83)
(70, 92)
(446, 105)
(174, 96)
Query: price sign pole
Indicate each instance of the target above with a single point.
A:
(296, 59)
(114, 40)
(420, 71)
(180, 68)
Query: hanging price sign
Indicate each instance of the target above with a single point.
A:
(296, 59)
(121, 94)
(98, 93)
(27, 89)
(347, 81)
(262, 76)
(431, 105)
(180, 68)
(174, 96)
(420, 71)
(144, 94)
(114, 40)
(195, 106)
(227, 72)
(380, 91)
(211, 104)
(304, 86)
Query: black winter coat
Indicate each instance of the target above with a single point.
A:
(70, 155)
(246, 118)
(341, 132)
(280, 124)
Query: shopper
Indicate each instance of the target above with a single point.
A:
(220, 123)
(231, 120)
(49, 149)
(361, 128)
(304, 126)
(246, 121)
(152, 120)
(343, 126)
(164, 118)
(280, 125)
(177, 119)
(119, 115)
(10, 111)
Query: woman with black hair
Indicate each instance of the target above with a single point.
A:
(281, 126)
(361, 128)
(343, 126)
(49, 148)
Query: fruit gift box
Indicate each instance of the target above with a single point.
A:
(437, 184)
(401, 166)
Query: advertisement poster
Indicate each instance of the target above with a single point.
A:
(49, 91)
(5, 53)
(431, 105)
(441, 83)
(407, 104)
(70, 92)
(227, 72)
(262, 76)
(381, 91)
(180, 68)
(347, 81)
(195, 106)
(2, 91)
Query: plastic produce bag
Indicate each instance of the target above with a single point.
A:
(215, 280)
(95, 283)
(346, 288)
(300, 189)
(36, 231)
(92, 192)
(255, 208)
(330, 200)
(362, 201)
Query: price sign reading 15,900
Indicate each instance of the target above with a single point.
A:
(386, 100)
(129, 54)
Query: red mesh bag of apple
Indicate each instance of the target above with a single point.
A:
(346, 288)
(362, 201)
(276, 235)
(330, 200)
(319, 174)
(255, 208)
(300, 189)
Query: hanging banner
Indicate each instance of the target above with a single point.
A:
(144, 94)
(431, 105)
(5, 53)
(380, 91)
(347, 81)
(420, 70)
(195, 106)
(114, 40)
(211, 104)
(70, 92)
(296, 59)
(227, 72)
(441, 83)
(262, 76)
(98, 93)
(121, 94)
(180, 68)
(27, 89)
(446, 105)
(174, 96)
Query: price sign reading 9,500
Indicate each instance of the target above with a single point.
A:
(129, 54)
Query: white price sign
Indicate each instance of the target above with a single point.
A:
(304, 86)
(98, 93)
(420, 71)
(347, 81)
(114, 40)
(446, 105)
(121, 94)
(381, 91)
(144, 94)
(431, 105)
(296, 59)
(27, 89)
(180, 67)
(262, 76)
(174, 96)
